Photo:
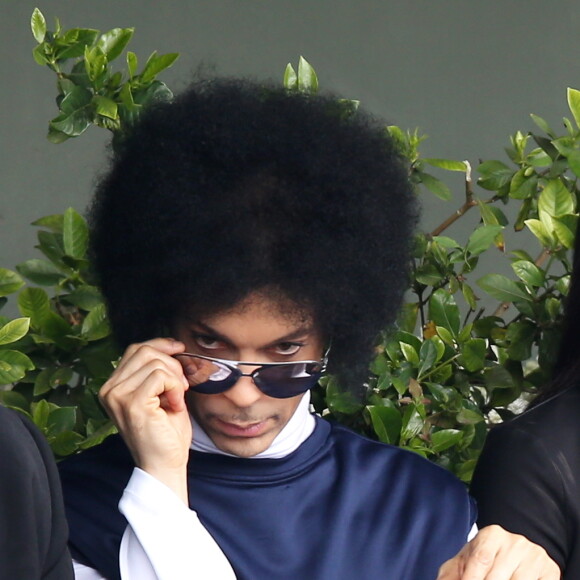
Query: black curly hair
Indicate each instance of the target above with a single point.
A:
(237, 187)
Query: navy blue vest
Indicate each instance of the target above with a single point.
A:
(340, 507)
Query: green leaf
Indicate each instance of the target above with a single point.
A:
(427, 357)
(61, 419)
(498, 377)
(66, 443)
(113, 42)
(529, 273)
(539, 230)
(95, 325)
(520, 336)
(446, 242)
(75, 42)
(480, 240)
(105, 107)
(574, 162)
(155, 64)
(95, 63)
(75, 116)
(412, 422)
(429, 274)
(469, 295)
(85, 297)
(473, 354)
(409, 353)
(574, 104)
(340, 400)
(565, 229)
(469, 417)
(15, 400)
(444, 439)
(444, 311)
(522, 186)
(407, 319)
(290, 78)
(446, 164)
(132, 63)
(487, 214)
(307, 79)
(38, 25)
(40, 272)
(555, 199)
(34, 303)
(14, 330)
(155, 92)
(40, 414)
(15, 367)
(75, 234)
(10, 282)
(52, 222)
(542, 124)
(39, 54)
(494, 175)
(434, 185)
(502, 288)
(387, 422)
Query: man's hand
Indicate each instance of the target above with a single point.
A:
(145, 397)
(495, 554)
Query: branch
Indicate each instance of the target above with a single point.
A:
(469, 203)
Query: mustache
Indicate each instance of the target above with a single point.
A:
(240, 417)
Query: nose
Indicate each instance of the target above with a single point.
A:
(244, 393)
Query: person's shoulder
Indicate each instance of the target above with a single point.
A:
(19, 437)
(545, 421)
(367, 453)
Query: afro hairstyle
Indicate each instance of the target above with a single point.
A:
(238, 187)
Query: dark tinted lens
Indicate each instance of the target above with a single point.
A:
(286, 381)
(209, 377)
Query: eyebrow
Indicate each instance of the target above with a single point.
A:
(306, 329)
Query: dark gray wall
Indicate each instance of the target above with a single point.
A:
(468, 74)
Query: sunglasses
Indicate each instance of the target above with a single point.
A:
(279, 380)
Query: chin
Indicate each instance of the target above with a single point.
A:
(241, 447)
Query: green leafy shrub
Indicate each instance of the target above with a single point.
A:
(450, 367)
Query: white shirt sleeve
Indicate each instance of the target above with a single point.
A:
(83, 572)
(472, 533)
(164, 539)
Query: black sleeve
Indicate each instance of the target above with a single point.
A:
(33, 530)
(518, 485)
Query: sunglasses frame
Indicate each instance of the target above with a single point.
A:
(234, 366)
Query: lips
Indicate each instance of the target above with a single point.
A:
(242, 430)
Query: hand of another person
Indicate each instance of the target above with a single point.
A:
(145, 398)
(495, 554)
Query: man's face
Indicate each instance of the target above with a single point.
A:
(244, 421)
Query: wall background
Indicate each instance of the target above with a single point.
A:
(467, 74)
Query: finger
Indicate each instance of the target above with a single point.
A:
(482, 559)
(134, 406)
(167, 346)
(143, 361)
(452, 569)
(143, 390)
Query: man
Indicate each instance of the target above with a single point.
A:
(267, 235)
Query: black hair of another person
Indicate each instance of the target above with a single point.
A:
(566, 370)
(239, 187)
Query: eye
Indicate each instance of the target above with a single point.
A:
(288, 348)
(207, 342)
